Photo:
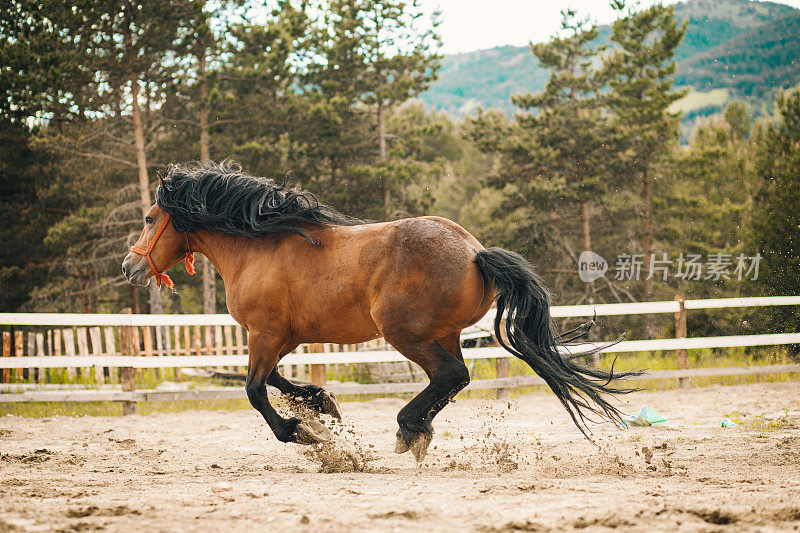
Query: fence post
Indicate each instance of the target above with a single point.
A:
(501, 364)
(319, 374)
(31, 352)
(19, 351)
(681, 354)
(6, 353)
(127, 374)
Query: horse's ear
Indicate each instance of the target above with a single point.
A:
(160, 179)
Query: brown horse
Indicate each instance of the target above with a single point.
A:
(299, 272)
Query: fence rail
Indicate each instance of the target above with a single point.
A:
(556, 311)
(385, 356)
(238, 393)
(97, 343)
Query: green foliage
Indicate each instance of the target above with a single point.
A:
(776, 220)
(737, 115)
(553, 156)
(586, 139)
(43, 51)
(639, 72)
(375, 56)
(565, 124)
(519, 219)
(24, 217)
(379, 45)
(711, 181)
(259, 118)
(753, 65)
(420, 135)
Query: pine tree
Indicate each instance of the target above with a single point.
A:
(205, 45)
(195, 97)
(639, 71)
(377, 55)
(80, 71)
(42, 48)
(44, 52)
(340, 127)
(401, 57)
(776, 219)
(565, 124)
(134, 53)
(261, 104)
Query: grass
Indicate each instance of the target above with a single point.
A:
(698, 100)
(49, 409)
(145, 378)
(762, 423)
(702, 358)
(480, 369)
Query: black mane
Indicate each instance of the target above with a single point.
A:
(220, 197)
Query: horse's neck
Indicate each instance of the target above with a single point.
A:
(224, 251)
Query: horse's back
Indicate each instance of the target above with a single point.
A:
(455, 227)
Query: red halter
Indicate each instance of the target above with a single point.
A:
(161, 277)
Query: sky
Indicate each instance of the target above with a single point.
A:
(469, 25)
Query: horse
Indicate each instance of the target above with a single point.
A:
(297, 271)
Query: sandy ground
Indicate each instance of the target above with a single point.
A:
(493, 466)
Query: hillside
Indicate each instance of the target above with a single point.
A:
(751, 64)
(735, 48)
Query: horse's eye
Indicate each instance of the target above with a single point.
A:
(148, 220)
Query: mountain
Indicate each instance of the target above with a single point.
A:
(751, 64)
(732, 49)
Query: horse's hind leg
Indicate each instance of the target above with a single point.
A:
(313, 396)
(452, 344)
(448, 376)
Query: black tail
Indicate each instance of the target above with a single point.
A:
(526, 305)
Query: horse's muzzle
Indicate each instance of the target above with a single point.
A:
(135, 271)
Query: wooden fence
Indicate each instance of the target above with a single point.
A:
(104, 341)
(96, 344)
(105, 349)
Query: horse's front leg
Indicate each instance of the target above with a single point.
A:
(313, 396)
(265, 350)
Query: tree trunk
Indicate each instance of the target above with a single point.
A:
(387, 200)
(135, 301)
(381, 132)
(387, 197)
(646, 249)
(209, 275)
(141, 156)
(156, 305)
(205, 153)
(587, 245)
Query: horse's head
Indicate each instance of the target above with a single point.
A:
(159, 247)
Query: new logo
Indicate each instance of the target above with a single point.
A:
(591, 266)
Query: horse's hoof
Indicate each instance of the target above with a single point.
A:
(328, 405)
(419, 447)
(312, 432)
(400, 446)
(417, 442)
